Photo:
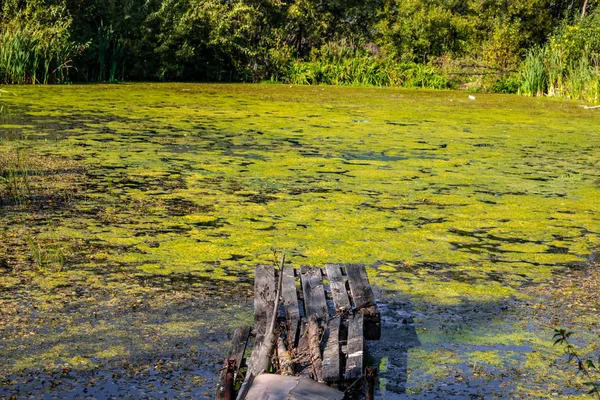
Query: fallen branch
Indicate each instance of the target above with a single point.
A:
(590, 107)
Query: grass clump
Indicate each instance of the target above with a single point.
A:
(15, 183)
(31, 180)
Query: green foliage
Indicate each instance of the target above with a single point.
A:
(585, 366)
(349, 42)
(35, 45)
(508, 84)
(367, 71)
(534, 80)
(568, 65)
(346, 63)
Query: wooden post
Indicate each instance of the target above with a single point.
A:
(230, 379)
(371, 378)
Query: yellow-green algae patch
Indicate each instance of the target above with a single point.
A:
(445, 199)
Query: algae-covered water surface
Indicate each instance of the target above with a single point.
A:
(133, 215)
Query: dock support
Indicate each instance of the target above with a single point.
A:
(371, 378)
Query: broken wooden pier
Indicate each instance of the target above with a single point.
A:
(321, 320)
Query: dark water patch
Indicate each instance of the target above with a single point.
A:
(383, 156)
(400, 123)
(388, 208)
(499, 193)
(538, 179)
(433, 266)
(373, 156)
(458, 276)
(258, 198)
(557, 250)
(310, 189)
(211, 223)
(293, 142)
(178, 206)
(422, 221)
(481, 235)
(337, 172)
(162, 230)
(480, 248)
(181, 148)
(576, 265)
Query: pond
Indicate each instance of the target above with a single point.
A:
(133, 215)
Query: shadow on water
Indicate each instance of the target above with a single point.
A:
(444, 360)
(390, 354)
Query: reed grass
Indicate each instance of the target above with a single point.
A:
(15, 182)
(561, 69)
(32, 52)
(364, 71)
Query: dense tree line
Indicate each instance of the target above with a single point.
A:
(307, 41)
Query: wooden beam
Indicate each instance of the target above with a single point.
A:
(314, 348)
(362, 294)
(264, 297)
(314, 295)
(331, 354)
(355, 348)
(338, 288)
(264, 344)
(364, 300)
(290, 304)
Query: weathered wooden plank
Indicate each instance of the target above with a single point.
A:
(314, 348)
(362, 294)
(355, 347)
(364, 300)
(290, 303)
(338, 288)
(331, 354)
(238, 347)
(265, 343)
(303, 367)
(238, 344)
(264, 297)
(314, 295)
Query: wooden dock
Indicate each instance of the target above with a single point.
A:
(323, 317)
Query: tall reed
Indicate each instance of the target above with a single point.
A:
(534, 78)
(32, 51)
